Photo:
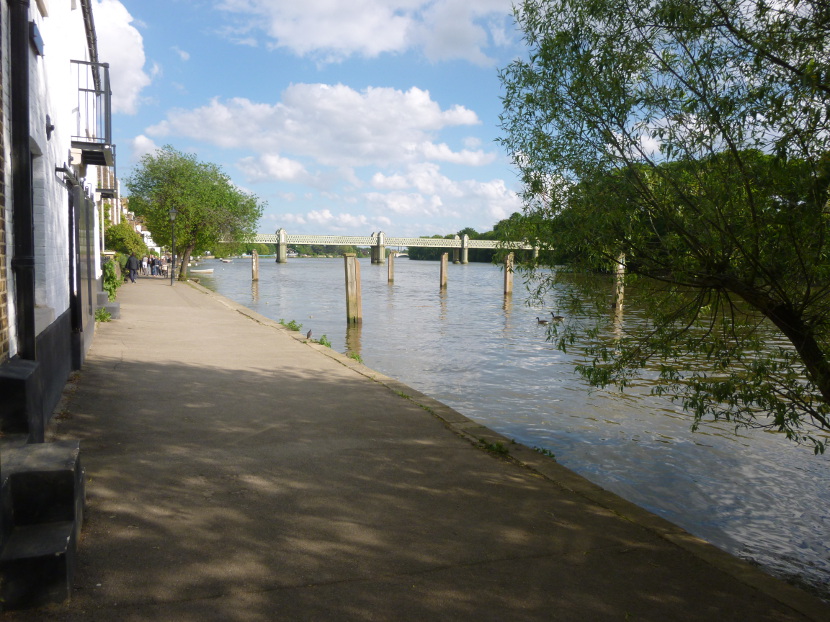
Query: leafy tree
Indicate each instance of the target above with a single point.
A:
(210, 208)
(123, 238)
(688, 139)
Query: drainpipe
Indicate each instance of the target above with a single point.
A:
(23, 262)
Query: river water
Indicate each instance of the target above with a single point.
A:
(754, 494)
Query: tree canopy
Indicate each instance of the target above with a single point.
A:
(123, 238)
(210, 209)
(689, 140)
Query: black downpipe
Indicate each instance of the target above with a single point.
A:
(23, 262)
(75, 198)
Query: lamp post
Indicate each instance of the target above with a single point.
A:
(172, 213)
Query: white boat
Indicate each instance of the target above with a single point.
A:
(226, 260)
(203, 271)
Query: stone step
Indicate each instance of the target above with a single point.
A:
(42, 496)
(103, 298)
(114, 309)
(37, 565)
(42, 483)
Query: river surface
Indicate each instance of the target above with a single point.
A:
(754, 494)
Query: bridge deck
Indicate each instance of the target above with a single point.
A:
(367, 240)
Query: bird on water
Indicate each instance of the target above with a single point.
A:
(541, 321)
(557, 318)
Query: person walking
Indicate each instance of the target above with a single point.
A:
(133, 266)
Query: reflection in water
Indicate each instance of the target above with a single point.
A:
(353, 333)
(469, 346)
(255, 291)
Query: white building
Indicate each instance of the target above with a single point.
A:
(56, 180)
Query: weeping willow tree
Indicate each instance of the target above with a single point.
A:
(688, 139)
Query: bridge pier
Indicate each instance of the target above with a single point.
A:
(465, 243)
(456, 253)
(282, 246)
(379, 250)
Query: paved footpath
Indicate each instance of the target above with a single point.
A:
(236, 472)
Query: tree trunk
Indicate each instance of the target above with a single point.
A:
(185, 259)
(799, 334)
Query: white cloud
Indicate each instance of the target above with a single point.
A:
(140, 146)
(271, 166)
(443, 153)
(424, 192)
(330, 30)
(406, 204)
(335, 125)
(185, 56)
(327, 220)
(121, 45)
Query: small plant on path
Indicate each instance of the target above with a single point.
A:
(292, 325)
(324, 341)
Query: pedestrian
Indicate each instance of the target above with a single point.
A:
(132, 266)
(144, 265)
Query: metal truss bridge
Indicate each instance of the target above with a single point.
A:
(379, 241)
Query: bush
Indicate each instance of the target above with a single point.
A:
(112, 281)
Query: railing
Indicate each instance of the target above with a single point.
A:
(92, 133)
(375, 240)
(379, 241)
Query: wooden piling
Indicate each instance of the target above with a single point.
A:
(444, 262)
(390, 268)
(354, 306)
(619, 284)
(254, 266)
(508, 274)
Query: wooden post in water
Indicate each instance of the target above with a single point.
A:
(354, 306)
(444, 261)
(254, 266)
(390, 269)
(619, 284)
(508, 274)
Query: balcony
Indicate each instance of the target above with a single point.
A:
(93, 116)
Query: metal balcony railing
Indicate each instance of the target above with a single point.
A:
(92, 133)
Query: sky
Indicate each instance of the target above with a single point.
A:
(342, 117)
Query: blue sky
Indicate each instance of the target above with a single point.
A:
(344, 117)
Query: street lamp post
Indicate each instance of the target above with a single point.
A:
(172, 213)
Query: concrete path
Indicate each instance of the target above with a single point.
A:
(236, 472)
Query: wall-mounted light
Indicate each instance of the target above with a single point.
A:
(49, 127)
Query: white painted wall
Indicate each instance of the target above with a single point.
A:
(54, 93)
